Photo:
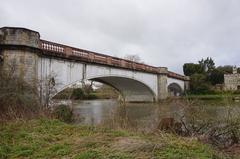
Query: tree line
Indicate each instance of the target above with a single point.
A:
(204, 75)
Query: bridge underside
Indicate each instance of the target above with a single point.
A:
(174, 90)
(130, 89)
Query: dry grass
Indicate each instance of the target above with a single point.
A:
(53, 139)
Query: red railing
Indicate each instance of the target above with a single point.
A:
(71, 52)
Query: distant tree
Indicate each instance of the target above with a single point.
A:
(207, 64)
(216, 77)
(226, 69)
(199, 84)
(133, 57)
(191, 68)
(87, 88)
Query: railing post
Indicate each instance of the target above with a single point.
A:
(68, 51)
(123, 63)
(109, 60)
(91, 56)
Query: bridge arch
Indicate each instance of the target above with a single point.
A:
(174, 89)
(132, 90)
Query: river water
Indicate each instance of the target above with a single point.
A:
(146, 116)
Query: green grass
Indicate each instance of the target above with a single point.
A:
(54, 139)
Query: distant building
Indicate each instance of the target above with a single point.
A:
(232, 81)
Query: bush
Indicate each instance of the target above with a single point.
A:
(236, 92)
(77, 94)
(91, 96)
(63, 113)
(18, 98)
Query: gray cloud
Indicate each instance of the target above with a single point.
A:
(163, 33)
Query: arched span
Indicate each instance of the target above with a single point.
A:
(131, 89)
(174, 89)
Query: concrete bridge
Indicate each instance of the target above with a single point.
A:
(37, 59)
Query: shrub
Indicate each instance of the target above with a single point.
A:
(63, 113)
(18, 98)
(91, 96)
(236, 92)
(77, 94)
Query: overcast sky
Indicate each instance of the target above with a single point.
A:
(162, 32)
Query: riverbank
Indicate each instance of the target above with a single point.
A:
(212, 96)
(53, 139)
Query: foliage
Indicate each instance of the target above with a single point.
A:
(191, 68)
(106, 92)
(207, 64)
(204, 75)
(226, 69)
(53, 139)
(91, 96)
(216, 77)
(77, 94)
(222, 132)
(23, 98)
(199, 84)
(133, 57)
(47, 88)
(18, 99)
(63, 113)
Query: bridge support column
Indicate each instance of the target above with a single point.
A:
(162, 83)
(18, 48)
(187, 83)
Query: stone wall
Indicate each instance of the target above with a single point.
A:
(232, 82)
(19, 36)
(18, 49)
(23, 63)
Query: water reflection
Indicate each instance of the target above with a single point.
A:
(138, 115)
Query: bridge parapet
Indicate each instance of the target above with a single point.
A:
(178, 76)
(26, 37)
(87, 56)
(67, 51)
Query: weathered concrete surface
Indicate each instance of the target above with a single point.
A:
(22, 47)
(135, 86)
(19, 36)
(162, 83)
(178, 82)
(25, 60)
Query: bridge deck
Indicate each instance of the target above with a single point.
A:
(55, 49)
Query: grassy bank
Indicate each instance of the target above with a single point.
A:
(53, 139)
(212, 96)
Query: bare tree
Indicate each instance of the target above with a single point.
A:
(133, 57)
(18, 98)
(47, 88)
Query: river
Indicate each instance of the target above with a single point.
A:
(146, 116)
